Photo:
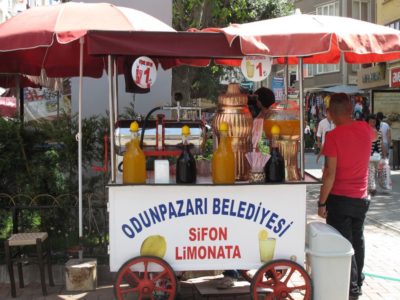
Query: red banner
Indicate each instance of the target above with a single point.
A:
(395, 77)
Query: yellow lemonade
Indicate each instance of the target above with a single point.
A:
(223, 161)
(287, 127)
(134, 163)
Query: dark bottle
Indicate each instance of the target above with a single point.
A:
(186, 164)
(275, 167)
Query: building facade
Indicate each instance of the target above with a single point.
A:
(326, 75)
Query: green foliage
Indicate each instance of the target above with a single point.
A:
(216, 13)
(41, 157)
(39, 160)
(208, 151)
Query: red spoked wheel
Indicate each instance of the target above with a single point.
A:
(272, 283)
(247, 274)
(145, 277)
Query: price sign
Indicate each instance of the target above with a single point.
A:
(144, 72)
(256, 68)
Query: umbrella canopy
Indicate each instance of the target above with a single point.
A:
(316, 38)
(48, 37)
(169, 48)
(11, 81)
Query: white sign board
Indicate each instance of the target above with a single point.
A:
(256, 68)
(144, 72)
(207, 227)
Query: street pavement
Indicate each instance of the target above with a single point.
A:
(382, 262)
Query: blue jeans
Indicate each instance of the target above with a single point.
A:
(347, 215)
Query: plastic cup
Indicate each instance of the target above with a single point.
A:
(249, 69)
(267, 249)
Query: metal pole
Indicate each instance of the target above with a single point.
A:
(115, 90)
(286, 80)
(301, 105)
(18, 96)
(79, 138)
(111, 116)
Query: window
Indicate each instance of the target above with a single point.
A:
(308, 70)
(330, 9)
(361, 10)
(328, 68)
(395, 25)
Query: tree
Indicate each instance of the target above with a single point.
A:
(204, 82)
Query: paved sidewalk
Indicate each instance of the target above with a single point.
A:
(382, 237)
(382, 263)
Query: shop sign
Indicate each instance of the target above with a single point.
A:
(201, 227)
(144, 72)
(278, 88)
(45, 103)
(371, 77)
(256, 68)
(395, 77)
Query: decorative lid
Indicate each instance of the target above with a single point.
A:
(233, 96)
(283, 110)
(185, 130)
(134, 127)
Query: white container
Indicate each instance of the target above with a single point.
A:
(161, 171)
(329, 256)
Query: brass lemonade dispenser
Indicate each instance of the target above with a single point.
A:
(233, 110)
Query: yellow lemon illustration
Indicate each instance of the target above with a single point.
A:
(263, 235)
(154, 245)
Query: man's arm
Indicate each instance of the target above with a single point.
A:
(328, 178)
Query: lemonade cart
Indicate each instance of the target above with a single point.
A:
(156, 229)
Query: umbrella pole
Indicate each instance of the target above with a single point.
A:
(79, 137)
(115, 91)
(286, 80)
(111, 117)
(301, 105)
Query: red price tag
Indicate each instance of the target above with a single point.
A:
(144, 72)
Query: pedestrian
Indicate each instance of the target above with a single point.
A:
(343, 199)
(308, 137)
(324, 126)
(376, 155)
(386, 132)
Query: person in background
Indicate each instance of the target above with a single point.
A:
(260, 101)
(376, 154)
(386, 132)
(343, 198)
(266, 97)
(308, 136)
(324, 126)
(253, 104)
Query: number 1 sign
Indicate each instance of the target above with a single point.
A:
(256, 68)
(144, 72)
